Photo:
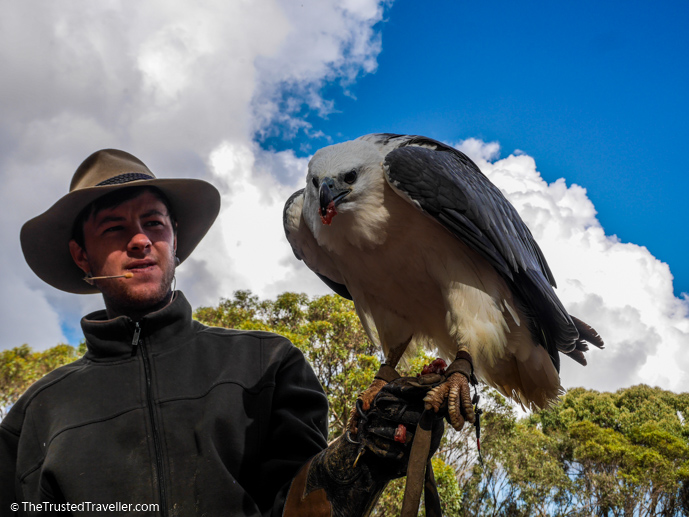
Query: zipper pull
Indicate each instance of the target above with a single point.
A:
(135, 340)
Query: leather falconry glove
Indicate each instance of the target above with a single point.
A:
(347, 478)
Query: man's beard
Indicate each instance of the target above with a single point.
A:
(120, 299)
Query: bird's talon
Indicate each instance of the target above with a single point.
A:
(363, 404)
(460, 408)
(361, 409)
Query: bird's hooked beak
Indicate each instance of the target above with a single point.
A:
(330, 197)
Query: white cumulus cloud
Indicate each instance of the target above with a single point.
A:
(183, 86)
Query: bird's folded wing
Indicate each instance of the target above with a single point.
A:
(306, 248)
(445, 184)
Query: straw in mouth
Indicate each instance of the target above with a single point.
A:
(89, 279)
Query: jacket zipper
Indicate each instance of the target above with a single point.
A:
(151, 411)
(135, 340)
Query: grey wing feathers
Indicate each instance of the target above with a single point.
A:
(449, 187)
(286, 218)
(458, 192)
(305, 247)
(340, 289)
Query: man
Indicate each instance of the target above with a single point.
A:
(163, 412)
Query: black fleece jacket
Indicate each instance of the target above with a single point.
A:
(201, 420)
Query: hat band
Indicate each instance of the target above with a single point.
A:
(125, 178)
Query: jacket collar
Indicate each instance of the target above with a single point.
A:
(112, 338)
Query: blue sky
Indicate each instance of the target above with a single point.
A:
(596, 92)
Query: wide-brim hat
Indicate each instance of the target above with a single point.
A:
(45, 238)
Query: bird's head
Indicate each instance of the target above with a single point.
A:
(342, 178)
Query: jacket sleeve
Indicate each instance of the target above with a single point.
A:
(297, 430)
(8, 471)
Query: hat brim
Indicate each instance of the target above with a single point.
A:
(45, 238)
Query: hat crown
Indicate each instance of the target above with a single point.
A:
(107, 167)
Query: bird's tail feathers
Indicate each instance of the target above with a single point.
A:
(533, 385)
(587, 336)
(548, 320)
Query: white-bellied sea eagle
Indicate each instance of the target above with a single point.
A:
(432, 253)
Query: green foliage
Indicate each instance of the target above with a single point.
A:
(623, 453)
(448, 487)
(21, 366)
(626, 453)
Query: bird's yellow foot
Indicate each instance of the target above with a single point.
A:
(457, 390)
(366, 397)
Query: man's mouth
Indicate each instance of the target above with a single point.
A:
(140, 266)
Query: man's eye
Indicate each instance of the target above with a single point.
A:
(153, 223)
(111, 229)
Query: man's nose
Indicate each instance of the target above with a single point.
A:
(139, 241)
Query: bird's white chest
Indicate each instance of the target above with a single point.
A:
(414, 273)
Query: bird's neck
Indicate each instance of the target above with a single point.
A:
(364, 228)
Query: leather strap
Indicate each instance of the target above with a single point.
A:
(431, 498)
(417, 466)
(463, 354)
(462, 364)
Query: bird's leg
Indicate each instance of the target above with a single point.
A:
(386, 373)
(457, 390)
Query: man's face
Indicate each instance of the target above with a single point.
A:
(135, 237)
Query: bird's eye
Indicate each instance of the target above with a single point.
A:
(350, 177)
(315, 182)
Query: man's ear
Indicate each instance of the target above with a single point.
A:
(79, 256)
